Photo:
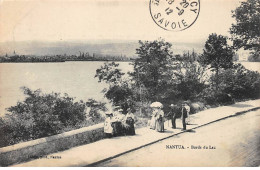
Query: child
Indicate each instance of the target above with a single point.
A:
(108, 129)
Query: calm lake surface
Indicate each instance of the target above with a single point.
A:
(74, 78)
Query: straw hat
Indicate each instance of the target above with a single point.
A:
(117, 107)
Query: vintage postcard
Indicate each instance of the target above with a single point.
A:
(129, 83)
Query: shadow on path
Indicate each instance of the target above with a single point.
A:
(191, 131)
(241, 105)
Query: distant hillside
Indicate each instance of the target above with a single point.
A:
(118, 48)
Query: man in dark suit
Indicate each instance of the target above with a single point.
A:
(184, 115)
(173, 114)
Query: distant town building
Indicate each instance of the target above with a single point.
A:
(243, 54)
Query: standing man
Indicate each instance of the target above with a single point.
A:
(184, 115)
(173, 115)
(187, 107)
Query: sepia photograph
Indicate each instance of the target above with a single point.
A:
(129, 83)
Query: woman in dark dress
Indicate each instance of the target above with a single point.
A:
(129, 119)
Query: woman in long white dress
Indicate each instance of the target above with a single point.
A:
(160, 120)
(108, 129)
(153, 119)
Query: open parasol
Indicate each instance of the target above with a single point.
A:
(156, 104)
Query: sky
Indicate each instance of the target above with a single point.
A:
(90, 20)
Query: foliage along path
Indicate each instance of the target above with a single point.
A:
(97, 152)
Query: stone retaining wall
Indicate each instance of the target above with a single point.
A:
(36, 148)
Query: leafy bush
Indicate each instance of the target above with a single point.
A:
(215, 98)
(42, 115)
(236, 83)
(240, 82)
(190, 80)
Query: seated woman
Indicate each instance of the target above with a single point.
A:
(117, 123)
(129, 120)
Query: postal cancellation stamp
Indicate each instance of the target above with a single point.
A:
(174, 15)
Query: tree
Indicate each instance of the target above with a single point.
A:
(157, 76)
(190, 81)
(119, 91)
(153, 68)
(217, 54)
(94, 108)
(246, 31)
(109, 73)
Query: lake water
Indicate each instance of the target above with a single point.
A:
(74, 78)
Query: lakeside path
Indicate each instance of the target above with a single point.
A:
(98, 152)
(232, 142)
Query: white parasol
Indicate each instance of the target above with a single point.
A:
(156, 104)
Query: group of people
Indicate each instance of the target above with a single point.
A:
(119, 124)
(157, 120)
(185, 114)
(158, 117)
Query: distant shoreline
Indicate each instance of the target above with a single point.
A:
(62, 58)
(95, 61)
(69, 61)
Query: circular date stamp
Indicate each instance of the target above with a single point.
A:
(174, 15)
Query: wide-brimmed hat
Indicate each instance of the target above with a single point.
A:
(172, 105)
(117, 107)
(109, 113)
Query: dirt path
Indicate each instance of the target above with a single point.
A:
(234, 142)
